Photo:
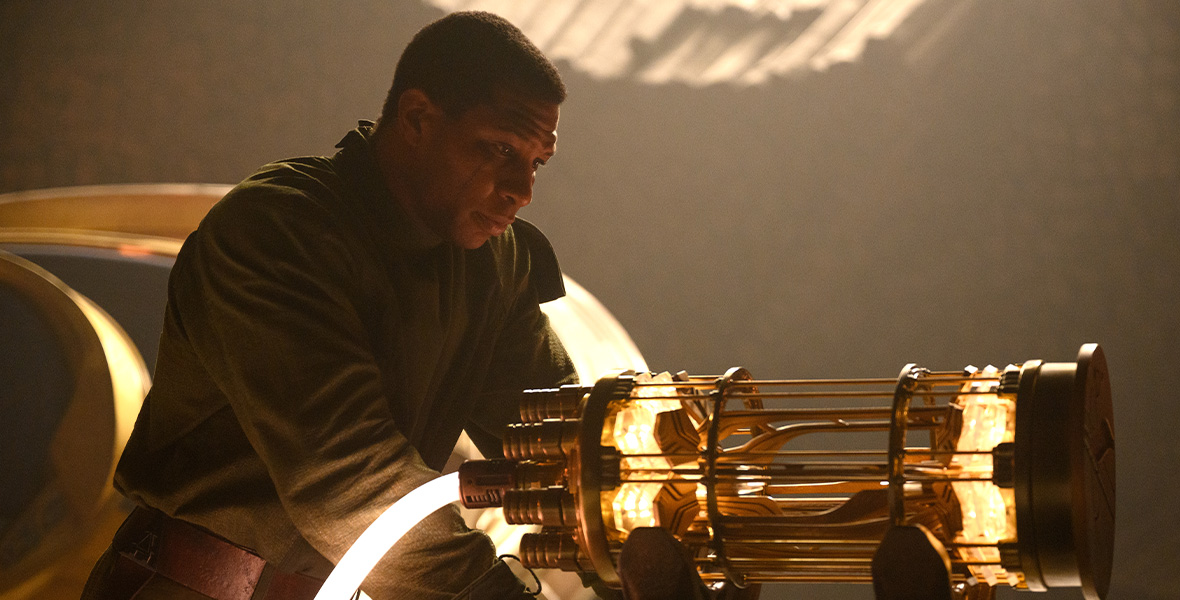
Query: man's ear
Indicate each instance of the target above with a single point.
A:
(416, 115)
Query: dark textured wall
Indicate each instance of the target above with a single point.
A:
(149, 91)
(1008, 196)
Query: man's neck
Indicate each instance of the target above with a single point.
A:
(396, 169)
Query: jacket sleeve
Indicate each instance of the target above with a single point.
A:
(528, 353)
(266, 300)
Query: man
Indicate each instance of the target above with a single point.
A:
(333, 325)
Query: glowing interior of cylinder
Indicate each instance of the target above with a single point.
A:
(633, 433)
(988, 511)
(384, 532)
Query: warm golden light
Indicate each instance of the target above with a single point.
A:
(988, 513)
(825, 480)
(633, 434)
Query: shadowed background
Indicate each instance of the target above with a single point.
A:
(1008, 192)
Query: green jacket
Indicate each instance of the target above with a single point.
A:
(321, 353)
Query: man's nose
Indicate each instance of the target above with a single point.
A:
(516, 185)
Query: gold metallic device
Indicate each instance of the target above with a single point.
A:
(972, 479)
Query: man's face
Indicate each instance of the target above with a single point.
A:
(478, 168)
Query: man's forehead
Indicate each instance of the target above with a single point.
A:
(525, 116)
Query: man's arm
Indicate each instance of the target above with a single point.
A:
(529, 356)
(528, 353)
(267, 299)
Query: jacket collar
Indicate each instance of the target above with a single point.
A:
(358, 162)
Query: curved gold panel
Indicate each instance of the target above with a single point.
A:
(56, 530)
(162, 210)
(125, 244)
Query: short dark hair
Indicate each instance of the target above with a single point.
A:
(462, 59)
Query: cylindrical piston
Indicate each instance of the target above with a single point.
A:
(552, 507)
(552, 550)
(551, 403)
(549, 440)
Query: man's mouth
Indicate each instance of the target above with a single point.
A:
(496, 225)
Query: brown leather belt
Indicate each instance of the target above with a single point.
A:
(151, 544)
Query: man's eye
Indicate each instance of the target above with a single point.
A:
(504, 150)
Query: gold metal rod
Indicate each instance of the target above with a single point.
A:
(843, 573)
(830, 413)
(761, 453)
(772, 453)
(835, 561)
(960, 374)
(664, 455)
(854, 426)
(789, 566)
(928, 479)
(801, 468)
(860, 381)
(773, 395)
(774, 525)
(757, 453)
(778, 552)
(754, 573)
(824, 394)
(711, 380)
(828, 492)
(665, 472)
(810, 470)
(658, 481)
(857, 576)
(784, 578)
(741, 459)
(943, 452)
(935, 377)
(702, 383)
(788, 541)
(771, 478)
(865, 381)
(799, 464)
(731, 520)
(795, 550)
(656, 475)
(813, 478)
(785, 453)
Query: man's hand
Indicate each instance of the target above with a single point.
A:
(653, 565)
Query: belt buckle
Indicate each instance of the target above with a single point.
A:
(145, 549)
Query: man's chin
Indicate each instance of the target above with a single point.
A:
(472, 239)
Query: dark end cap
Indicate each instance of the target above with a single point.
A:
(1094, 472)
(1065, 477)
